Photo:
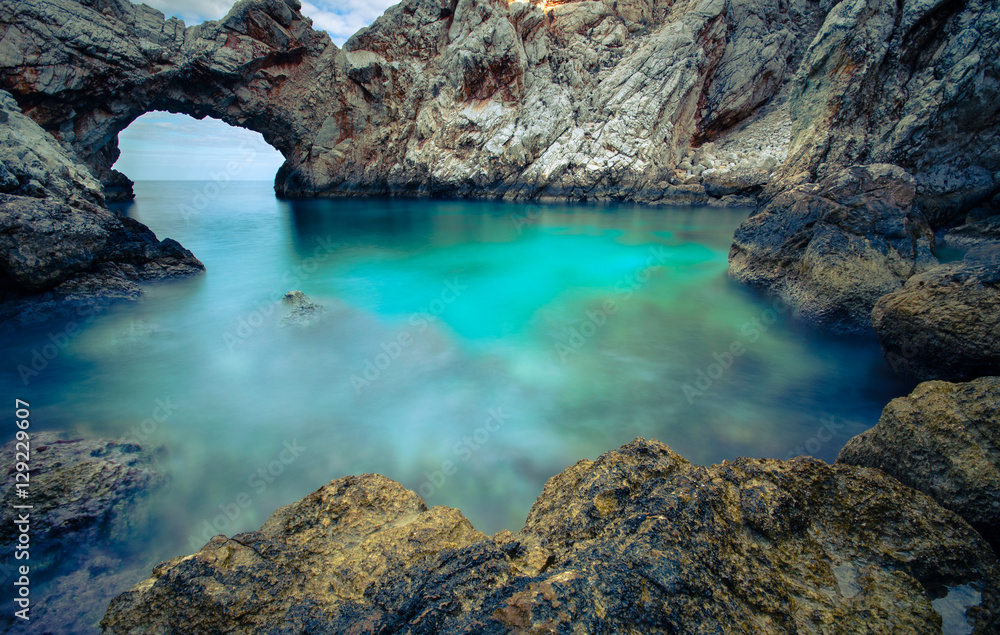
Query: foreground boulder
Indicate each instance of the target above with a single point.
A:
(945, 323)
(639, 540)
(832, 249)
(944, 440)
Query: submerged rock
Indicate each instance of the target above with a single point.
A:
(945, 323)
(83, 493)
(944, 440)
(832, 249)
(304, 312)
(91, 499)
(639, 540)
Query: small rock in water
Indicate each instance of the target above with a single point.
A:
(304, 311)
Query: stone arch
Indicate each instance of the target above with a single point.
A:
(166, 146)
(113, 61)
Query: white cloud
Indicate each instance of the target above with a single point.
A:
(191, 11)
(345, 18)
(164, 146)
(340, 18)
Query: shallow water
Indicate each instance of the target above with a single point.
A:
(470, 350)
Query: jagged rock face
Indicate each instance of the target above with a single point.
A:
(564, 100)
(944, 440)
(914, 83)
(832, 249)
(85, 70)
(33, 164)
(945, 323)
(638, 541)
(586, 99)
(59, 244)
(592, 99)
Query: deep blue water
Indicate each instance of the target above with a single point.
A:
(499, 343)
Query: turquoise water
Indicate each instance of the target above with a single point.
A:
(470, 350)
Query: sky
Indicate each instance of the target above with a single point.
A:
(164, 146)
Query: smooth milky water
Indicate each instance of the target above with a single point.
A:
(469, 350)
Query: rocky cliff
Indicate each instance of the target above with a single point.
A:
(60, 247)
(588, 99)
(639, 540)
(85, 70)
(912, 86)
(915, 84)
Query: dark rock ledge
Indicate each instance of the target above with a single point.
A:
(945, 322)
(61, 249)
(639, 540)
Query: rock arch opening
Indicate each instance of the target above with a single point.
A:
(162, 146)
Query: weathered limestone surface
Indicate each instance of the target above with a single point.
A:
(593, 99)
(945, 323)
(639, 540)
(944, 440)
(832, 249)
(915, 84)
(911, 84)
